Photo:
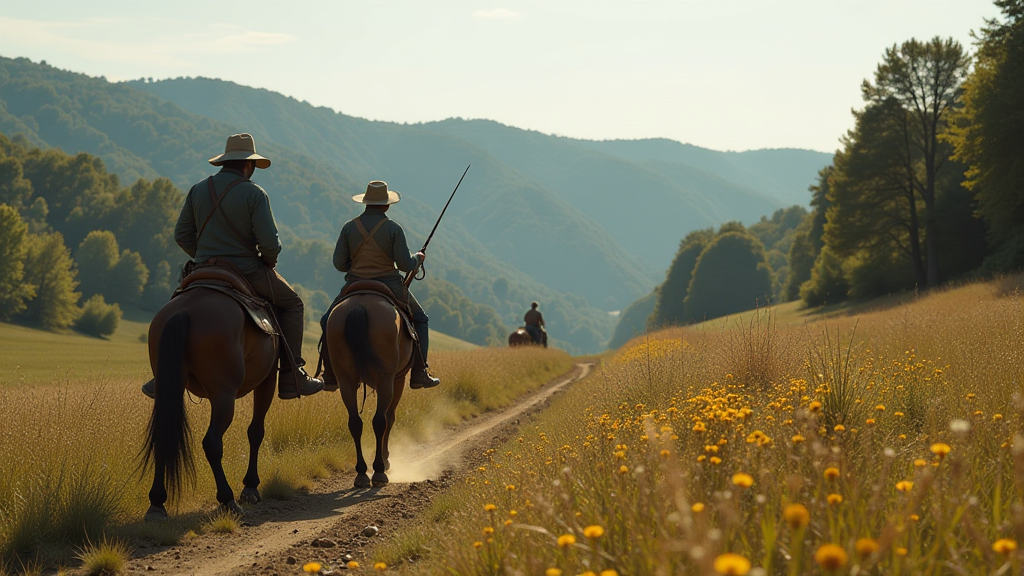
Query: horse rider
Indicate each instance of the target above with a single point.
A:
(373, 247)
(245, 234)
(535, 325)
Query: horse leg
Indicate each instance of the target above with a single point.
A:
(263, 395)
(157, 494)
(399, 388)
(349, 392)
(222, 412)
(385, 393)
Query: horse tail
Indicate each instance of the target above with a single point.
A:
(168, 437)
(357, 334)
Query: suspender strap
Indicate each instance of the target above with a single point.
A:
(218, 208)
(367, 236)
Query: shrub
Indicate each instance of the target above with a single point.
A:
(98, 318)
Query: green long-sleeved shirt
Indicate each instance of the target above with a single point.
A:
(390, 237)
(248, 209)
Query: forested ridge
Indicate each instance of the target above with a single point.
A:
(927, 188)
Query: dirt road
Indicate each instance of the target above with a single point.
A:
(326, 524)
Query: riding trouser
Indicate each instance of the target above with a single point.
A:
(272, 286)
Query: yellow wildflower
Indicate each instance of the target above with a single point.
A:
(488, 531)
(553, 572)
(898, 414)
(831, 473)
(904, 485)
(866, 547)
(566, 540)
(490, 507)
(920, 462)
(311, 567)
(701, 458)
(835, 499)
(352, 565)
(593, 531)
(940, 449)
(997, 417)
(665, 453)
(715, 460)
(814, 406)
(732, 565)
(609, 572)
(697, 508)
(798, 439)
(839, 428)
(880, 408)
(870, 421)
(796, 515)
(914, 517)
(478, 544)
(508, 522)
(623, 469)
(1004, 546)
(380, 566)
(742, 480)
(699, 427)
(831, 557)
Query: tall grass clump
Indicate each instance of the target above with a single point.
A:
(108, 558)
(669, 461)
(68, 450)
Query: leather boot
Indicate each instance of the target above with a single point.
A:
(295, 382)
(149, 388)
(419, 377)
(330, 380)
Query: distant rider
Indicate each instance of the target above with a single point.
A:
(535, 325)
(373, 247)
(245, 234)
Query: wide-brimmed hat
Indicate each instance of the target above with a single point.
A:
(377, 194)
(240, 147)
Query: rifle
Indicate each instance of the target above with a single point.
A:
(410, 276)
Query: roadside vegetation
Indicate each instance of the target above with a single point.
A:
(68, 451)
(887, 443)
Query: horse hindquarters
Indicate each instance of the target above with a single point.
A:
(167, 443)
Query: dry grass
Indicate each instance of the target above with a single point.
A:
(108, 558)
(884, 443)
(68, 450)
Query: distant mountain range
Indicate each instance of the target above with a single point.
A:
(585, 227)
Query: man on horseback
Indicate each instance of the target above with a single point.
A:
(232, 221)
(534, 321)
(373, 247)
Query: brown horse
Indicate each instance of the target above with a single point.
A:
(368, 343)
(520, 338)
(202, 341)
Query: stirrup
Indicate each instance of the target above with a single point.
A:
(421, 379)
(149, 388)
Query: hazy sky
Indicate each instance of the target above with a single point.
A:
(724, 74)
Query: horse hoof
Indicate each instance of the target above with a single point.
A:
(232, 507)
(250, 496)
(380, 479)
(362, 481)
(387, 464)
(155, 514)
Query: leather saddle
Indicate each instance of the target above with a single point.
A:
(373, 287)
(224, 277)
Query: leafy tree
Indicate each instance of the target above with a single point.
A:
(98, 318)
(669, 307)
(95, 258)
(14, 292)
(127, 278)
(633, 320)
(918, 84)
(988, 132)
(731, 275)
(15, 190)
(162, 283)
(48, 267)
(807, 239)
(828, 282)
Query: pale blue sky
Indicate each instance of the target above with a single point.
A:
(727, 74)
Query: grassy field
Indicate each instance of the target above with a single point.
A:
(73, 423)
(867, 439)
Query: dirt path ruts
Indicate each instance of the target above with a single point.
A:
(277, 536)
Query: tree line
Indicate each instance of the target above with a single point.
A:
(927, 188)
(77, 247)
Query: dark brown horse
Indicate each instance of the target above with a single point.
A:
(520, 338)
(202, 341)
(368, 343)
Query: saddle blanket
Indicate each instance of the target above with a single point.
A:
(257, 308)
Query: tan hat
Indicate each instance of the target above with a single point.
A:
(377, 194)
(240, 147)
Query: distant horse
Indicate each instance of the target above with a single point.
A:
(520, 338)
(367, 343)
(202, 341)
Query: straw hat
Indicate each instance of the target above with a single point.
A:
(377, 194)
(240, 147)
